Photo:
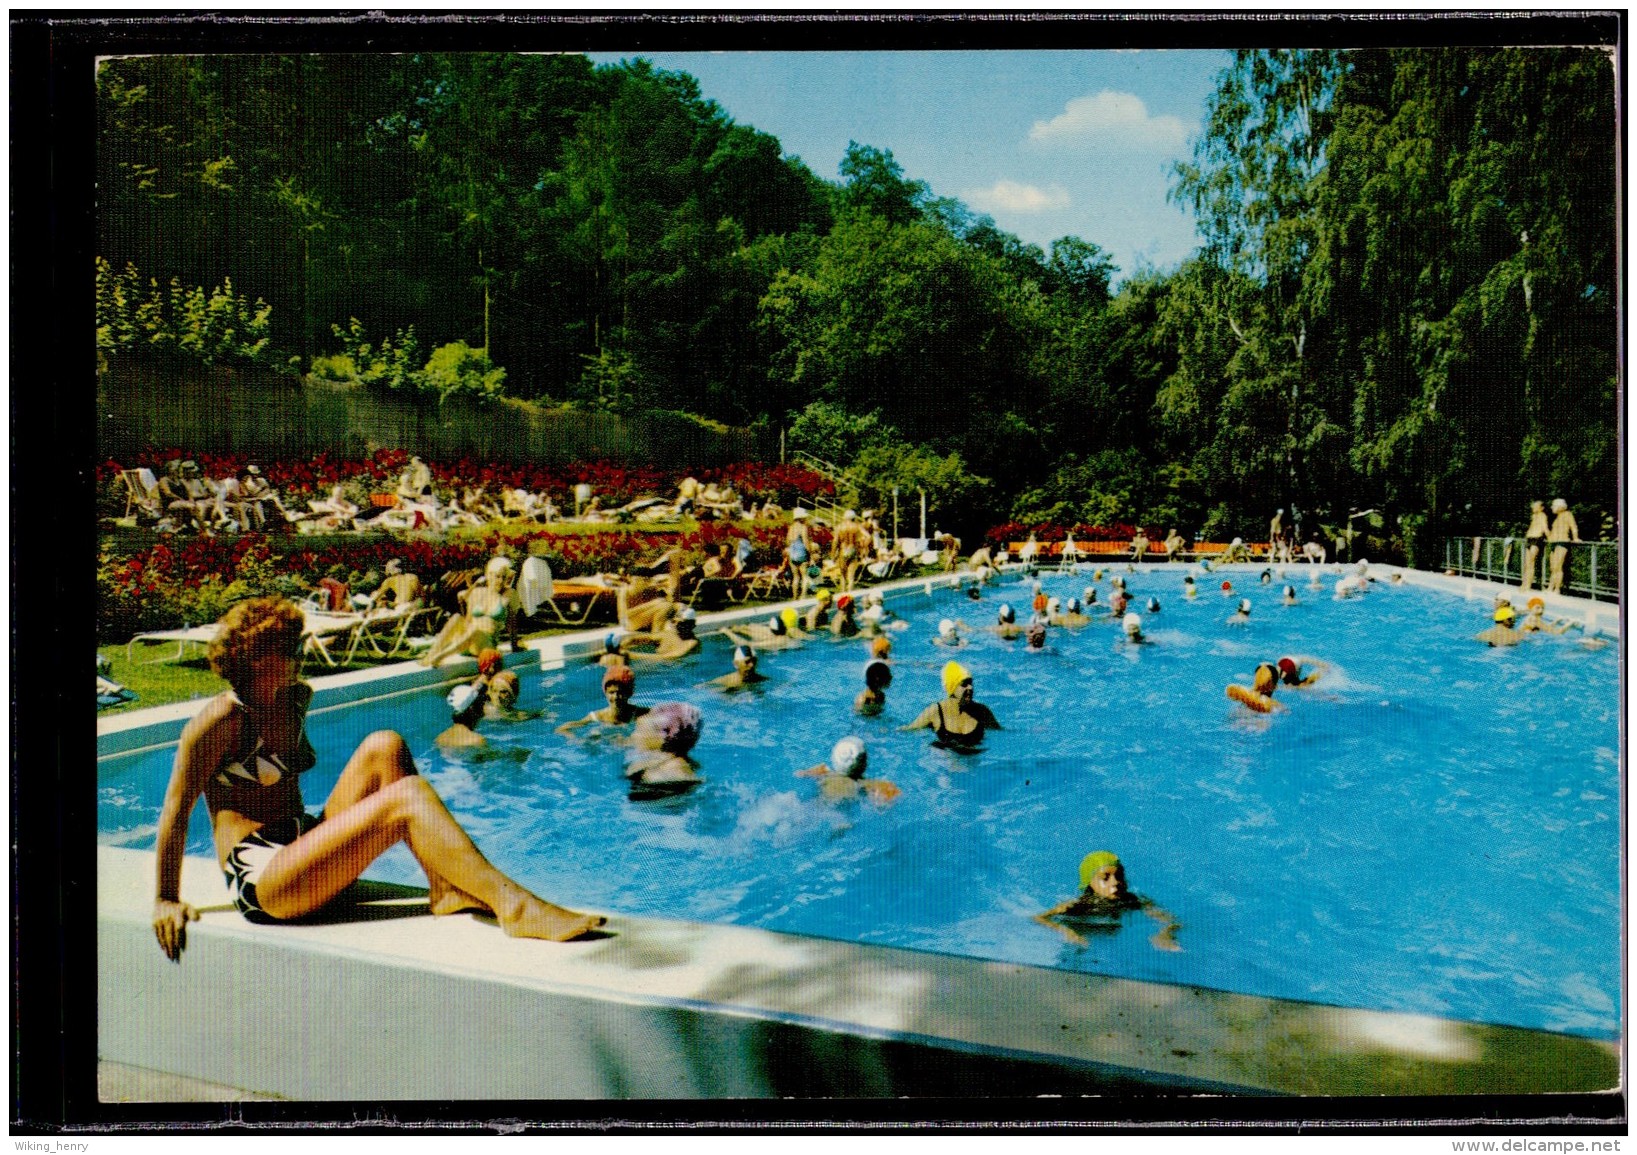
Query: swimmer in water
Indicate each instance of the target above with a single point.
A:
(842, 777)
(500, 700)
(1131, 626)
(677, 640)
(1118, 606)
(1102, 900)
(1035, 635)
(818, 614)
(1502, 632)
(1300, 671)
(1227, 588)
(958, 722)
(1153, 605)
(774, 635)
(1006, 627)
(1188, 588)
(466, 702)
(1241, 615)
(619, 684)
(1288, 597)
(1259, 697)
(1266, 577)
(881, 647)
(612, 655)
(948, 634)
(744, 671)
(1535, 621)
(659, 765)
(872, 699)
(1073, 617)
(845, 623)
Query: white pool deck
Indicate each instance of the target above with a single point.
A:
(385, 1002)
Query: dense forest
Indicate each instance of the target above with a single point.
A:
(1404, 299)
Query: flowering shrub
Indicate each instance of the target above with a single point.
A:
(999, 536)
(614, 484)
(181, 581)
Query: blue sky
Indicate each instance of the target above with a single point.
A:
(1049, 144)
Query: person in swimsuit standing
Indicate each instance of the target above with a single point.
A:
(244, 752)
(957, 722)
(1534, 540)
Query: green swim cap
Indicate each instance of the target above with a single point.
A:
(1093, 862)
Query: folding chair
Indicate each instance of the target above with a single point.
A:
(141, 492)
(194, 635)
(384, 633)
(323, 628)
(767, 583)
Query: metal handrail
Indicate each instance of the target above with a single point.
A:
(1590, 568)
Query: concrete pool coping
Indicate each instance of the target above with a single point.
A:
(387, 1003)
(381, 1004)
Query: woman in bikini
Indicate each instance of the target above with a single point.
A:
(958, 722)
(492, 609)
(245, 750)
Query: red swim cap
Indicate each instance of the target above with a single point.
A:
(1226, 586)
(621, 674)
(488, 661)
(1288, 666)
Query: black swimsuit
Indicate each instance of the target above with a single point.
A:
(948, 739)
(259, 769)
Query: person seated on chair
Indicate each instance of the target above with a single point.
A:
(842, 777)
(257, 495)
(491, 607)
(676, 640)
(245, 750)
(659, 765)
(744, 671)
(399, 591)
(415, 480)
(1174, 545)
(619, 683)
(1139, 546)
(333, 512)
(183, 495)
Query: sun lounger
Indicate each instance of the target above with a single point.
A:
(323, 629)
(192, 635)
(573, 602)
(384, 632)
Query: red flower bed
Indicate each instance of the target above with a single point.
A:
(1001, 535)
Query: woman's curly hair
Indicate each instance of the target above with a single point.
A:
(252, 629)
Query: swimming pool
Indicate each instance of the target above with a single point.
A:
(1433, 828)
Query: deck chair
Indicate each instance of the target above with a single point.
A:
(192, 635)
(322, 630)
(142, 492)
(767, 583)
(385, 632)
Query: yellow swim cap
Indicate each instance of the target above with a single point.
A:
(1505, 614)
(954, 675)
(822, 596)
(1093, 862)
(790, 618)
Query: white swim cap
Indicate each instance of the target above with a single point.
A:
(1132, 623)
(1053, 605)
(1244, 605)
(743, 654)
(1006, 612)
(1074, 605)
(686, 614)
(1290, 591)
(462, 697)
(873, 612)
(946, 628)
(849, 757)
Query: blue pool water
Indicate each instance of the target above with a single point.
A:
(1434, 827)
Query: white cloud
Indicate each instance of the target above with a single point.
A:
(1010, 196)
(1110, 118)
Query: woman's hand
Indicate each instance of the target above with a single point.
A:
(170, 925)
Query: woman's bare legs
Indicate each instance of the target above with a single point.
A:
(378, 802)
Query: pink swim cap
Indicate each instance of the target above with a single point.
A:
(677, 725)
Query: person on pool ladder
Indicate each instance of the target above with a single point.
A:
(958, 722)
